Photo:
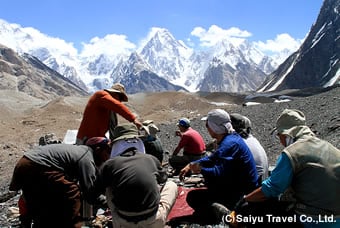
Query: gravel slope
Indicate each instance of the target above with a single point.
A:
(322, 114)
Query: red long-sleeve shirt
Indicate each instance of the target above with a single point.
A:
(96, 116)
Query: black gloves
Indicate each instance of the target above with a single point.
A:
(240, 204)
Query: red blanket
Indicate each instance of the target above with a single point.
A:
(181, 208)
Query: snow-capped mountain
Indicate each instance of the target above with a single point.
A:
(137, 76)
(222, 77)
(53, 52)
(180, 65)
(169, 58)
(235, 67)
(27, 74)
(244, 66)
(316, 63)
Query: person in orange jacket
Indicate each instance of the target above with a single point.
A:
(101, 111)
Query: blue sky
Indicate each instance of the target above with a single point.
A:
(78, 22)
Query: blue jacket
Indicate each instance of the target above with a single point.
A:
(231, 170)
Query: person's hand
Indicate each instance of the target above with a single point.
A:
(178, 133)
(137, 123)
(184, 171)
(195, 167)
(101, 202)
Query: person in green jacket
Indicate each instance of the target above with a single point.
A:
(308, 169)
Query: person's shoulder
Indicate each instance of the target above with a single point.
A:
(98, 94)
(59, 146)
(152, 159)
(234, 138)
(79, 150)
(101, 93)
(190, 129)
(252, 139)
(139, 156)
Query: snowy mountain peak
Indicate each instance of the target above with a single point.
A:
(160, 55)
(137, 64)
(316, 63)
(165, 54)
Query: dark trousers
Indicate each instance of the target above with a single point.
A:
(201, 201)
(51, 200)
(179, 162)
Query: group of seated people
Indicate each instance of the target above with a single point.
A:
(301, 191)
(126, 174)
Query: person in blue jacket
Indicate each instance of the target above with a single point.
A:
(229, 172)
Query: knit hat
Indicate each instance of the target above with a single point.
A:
(120, 89)
(288, 120)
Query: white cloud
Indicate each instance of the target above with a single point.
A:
(56, 44)
(280, 47)
(281, 43)
(215, 34)
(110, 45)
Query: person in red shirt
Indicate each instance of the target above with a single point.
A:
(101, 111)
(192, 144)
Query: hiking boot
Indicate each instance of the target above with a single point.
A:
(219, 211)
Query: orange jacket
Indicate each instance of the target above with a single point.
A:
(96, 118)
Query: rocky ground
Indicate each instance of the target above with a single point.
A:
(322, 113)
(23, 120)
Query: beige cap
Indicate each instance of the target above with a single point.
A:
(120, 89)
(288, 120)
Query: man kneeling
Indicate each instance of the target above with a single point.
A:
(137, 189)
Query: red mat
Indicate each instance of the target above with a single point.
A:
(181, 208)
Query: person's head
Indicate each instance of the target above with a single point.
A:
(241, 124)
(287, 123)
(126, 137)
(218, 123)
(117, 91)
(101, 148)
(183, 124)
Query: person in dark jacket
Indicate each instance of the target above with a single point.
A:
(229, 172)
(136, 185)
(55, 178)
